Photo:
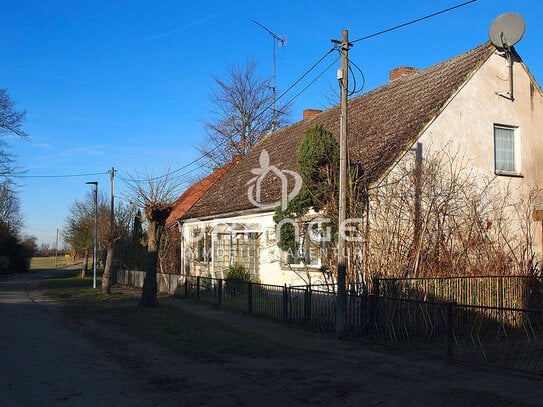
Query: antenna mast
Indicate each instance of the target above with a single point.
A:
(281, 40)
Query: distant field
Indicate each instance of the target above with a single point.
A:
(41, 263)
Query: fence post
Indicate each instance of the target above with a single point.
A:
(285, 303)
(376, 287)
(219, 292)
(250, 297)
(372, 315)
(307, 303)
(198, 288)
(450, 328)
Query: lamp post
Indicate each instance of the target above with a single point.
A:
(94, 255)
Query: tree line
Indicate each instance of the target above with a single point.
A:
(16, 250)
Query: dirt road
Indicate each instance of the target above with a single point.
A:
(44, 363)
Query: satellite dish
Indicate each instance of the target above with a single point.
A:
(506, 30)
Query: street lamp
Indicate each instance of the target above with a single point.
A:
(94, 255)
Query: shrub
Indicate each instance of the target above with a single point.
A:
(237, 272)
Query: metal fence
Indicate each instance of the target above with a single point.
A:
(506, 337)
(431, 321)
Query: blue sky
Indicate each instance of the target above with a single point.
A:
(126, 84)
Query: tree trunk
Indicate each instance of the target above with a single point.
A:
(149, 292)
(106, 277)
(85, 264)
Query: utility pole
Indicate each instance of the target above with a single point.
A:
(112, 218)
(343, 76)
(56, 252)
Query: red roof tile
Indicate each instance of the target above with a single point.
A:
(193, 193)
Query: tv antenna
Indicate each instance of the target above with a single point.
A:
(505, 31)
(281, 39)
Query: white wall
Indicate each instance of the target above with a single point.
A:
(270, 270)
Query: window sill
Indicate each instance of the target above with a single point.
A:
(302, 266)
(508, 174)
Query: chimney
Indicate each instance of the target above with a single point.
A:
(310, 113)
(400, 71)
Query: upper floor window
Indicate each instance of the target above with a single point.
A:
(506, 150)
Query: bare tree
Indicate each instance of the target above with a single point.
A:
(447, 219)
(242, 114)
(156, 196)
(79, 227)
(10, 208)
(11, 122)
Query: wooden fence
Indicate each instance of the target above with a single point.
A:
(166, 283)
(525, 292)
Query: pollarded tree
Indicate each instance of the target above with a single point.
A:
(242, 114)
(156, 196)
(137, 243)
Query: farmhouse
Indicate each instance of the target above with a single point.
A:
(452, 172)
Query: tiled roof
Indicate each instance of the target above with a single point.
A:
(382, 124)
(193, 194)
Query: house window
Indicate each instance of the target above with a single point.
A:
(204, 248)
(240, 248)
(506, 150)
(245, 250)
(303, 256)
(309, 249)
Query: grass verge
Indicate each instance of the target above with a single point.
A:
(48, 263)
(166, 325)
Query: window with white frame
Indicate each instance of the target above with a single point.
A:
(506, 154)
(309, 248)
(204, 248)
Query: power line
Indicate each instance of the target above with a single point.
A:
(314, 80)
(60, 176)
(304, 75)
(414, 21)
(283, 94)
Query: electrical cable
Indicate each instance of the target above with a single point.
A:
(355, 89)
(60, 176)
(283, 94)
(313, 81)
(307, 72)
(413, 21)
